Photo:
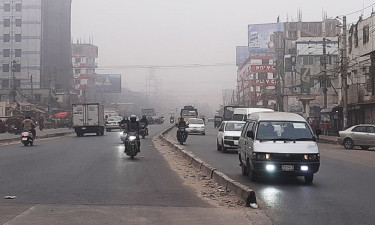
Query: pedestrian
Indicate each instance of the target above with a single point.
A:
(325, 127)
(41, 123)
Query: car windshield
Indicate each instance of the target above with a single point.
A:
(195, 121)
(281, 130)
(234, 126)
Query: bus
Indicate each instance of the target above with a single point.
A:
(189, 112)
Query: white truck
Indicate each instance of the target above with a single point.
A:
(88, 118)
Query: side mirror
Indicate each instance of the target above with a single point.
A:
(250, 134)
(318, 132)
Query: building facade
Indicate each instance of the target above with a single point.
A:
(35, 45)
(84, 64)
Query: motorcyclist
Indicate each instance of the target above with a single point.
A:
(124, 123)
(145, 122)
(133, 126)
(28, 125)
(181, 124)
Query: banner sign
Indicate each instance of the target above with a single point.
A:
(108, 83)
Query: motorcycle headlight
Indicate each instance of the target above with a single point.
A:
(132, 138)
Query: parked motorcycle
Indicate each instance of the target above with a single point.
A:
(131, 145)
(143, 130)
(27, 138)
(181, 135)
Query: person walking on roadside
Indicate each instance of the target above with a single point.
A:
(41, 123)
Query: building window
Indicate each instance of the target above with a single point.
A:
(308, 60)
(265, 61)
(5, 84)
(18, 22)
(17, 67)
(5, 68)
(18, 52)
(6, 22)
(6, 7)
(366, 34)
(18, 7)
(6, 52)
(77, 71)
(77, 60)
(18, 37)
(6, 37)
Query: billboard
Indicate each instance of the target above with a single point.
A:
(108, 83)
(261, 38)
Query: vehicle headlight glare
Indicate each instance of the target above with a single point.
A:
(270, 167)
(268, 156)
(304, 168)
(306, 157)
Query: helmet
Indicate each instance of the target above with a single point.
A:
(28, 117)
(125, 117)
(133, 118)
(181, 119)
(144, 117)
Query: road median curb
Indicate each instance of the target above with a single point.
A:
(44, 136)
(242, 191)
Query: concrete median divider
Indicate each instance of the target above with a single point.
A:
(44, 136)
(242, 191)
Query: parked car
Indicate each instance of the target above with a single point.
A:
(278, 143)
(228, 135)
(113, 123)
(360, 135)
(196, 126)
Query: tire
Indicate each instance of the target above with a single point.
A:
(223, 149)
(143, 137)
(253, 176)
(25, 144)
(364, 147)
(309, 178)
(107, 130)
(31, 143)
(181, 142)
(78, 134)
(218, 146)
(243, 167)
(204, 134)
(132, 156)
(348, 143)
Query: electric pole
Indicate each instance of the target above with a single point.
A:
(13, 92)
(324, 78)
(32, 87)
(344, 73)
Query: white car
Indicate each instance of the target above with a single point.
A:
(228, 135)
(196, 126)
(113, 123)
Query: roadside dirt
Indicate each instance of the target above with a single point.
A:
(206, 189)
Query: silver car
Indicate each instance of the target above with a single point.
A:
(196, 126)
(360, 135)
(113, 123)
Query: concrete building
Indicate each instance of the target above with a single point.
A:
(84, 64)
(361, 72)
(36, 44)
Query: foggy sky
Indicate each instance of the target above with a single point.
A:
(176, 32)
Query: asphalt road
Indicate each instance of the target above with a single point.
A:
(91, 170)
(342, 191)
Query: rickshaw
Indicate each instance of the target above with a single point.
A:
(217, 121)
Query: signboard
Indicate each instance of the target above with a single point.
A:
(261, 36)
(263, 69)
(108, 83)
(268, 82)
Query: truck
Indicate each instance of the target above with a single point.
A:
(109, 112)
(188, 112)
(88, 118)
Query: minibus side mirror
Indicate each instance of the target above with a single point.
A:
(250, 134)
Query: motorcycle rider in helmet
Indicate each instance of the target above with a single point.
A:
(181, 123)
(133, 126)
(124, 123)
(28, 125)
(145, 122)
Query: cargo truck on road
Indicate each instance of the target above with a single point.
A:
(88, 118)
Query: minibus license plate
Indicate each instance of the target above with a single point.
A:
(287, 167)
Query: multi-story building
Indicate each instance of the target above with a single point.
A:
(35, 49)
(361, 72)
(83, 79)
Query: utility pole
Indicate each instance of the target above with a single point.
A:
(13, 92)
(32, 87)
(324, 78)
(344, 74)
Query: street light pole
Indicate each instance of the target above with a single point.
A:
(344, 74)
(324, 78)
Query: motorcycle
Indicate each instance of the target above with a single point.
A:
(143, 130)
(181, 135)
(27, 138)
(171, 120)
(131, 145)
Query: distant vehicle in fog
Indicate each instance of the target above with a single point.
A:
(189, 112)
(241, 114)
